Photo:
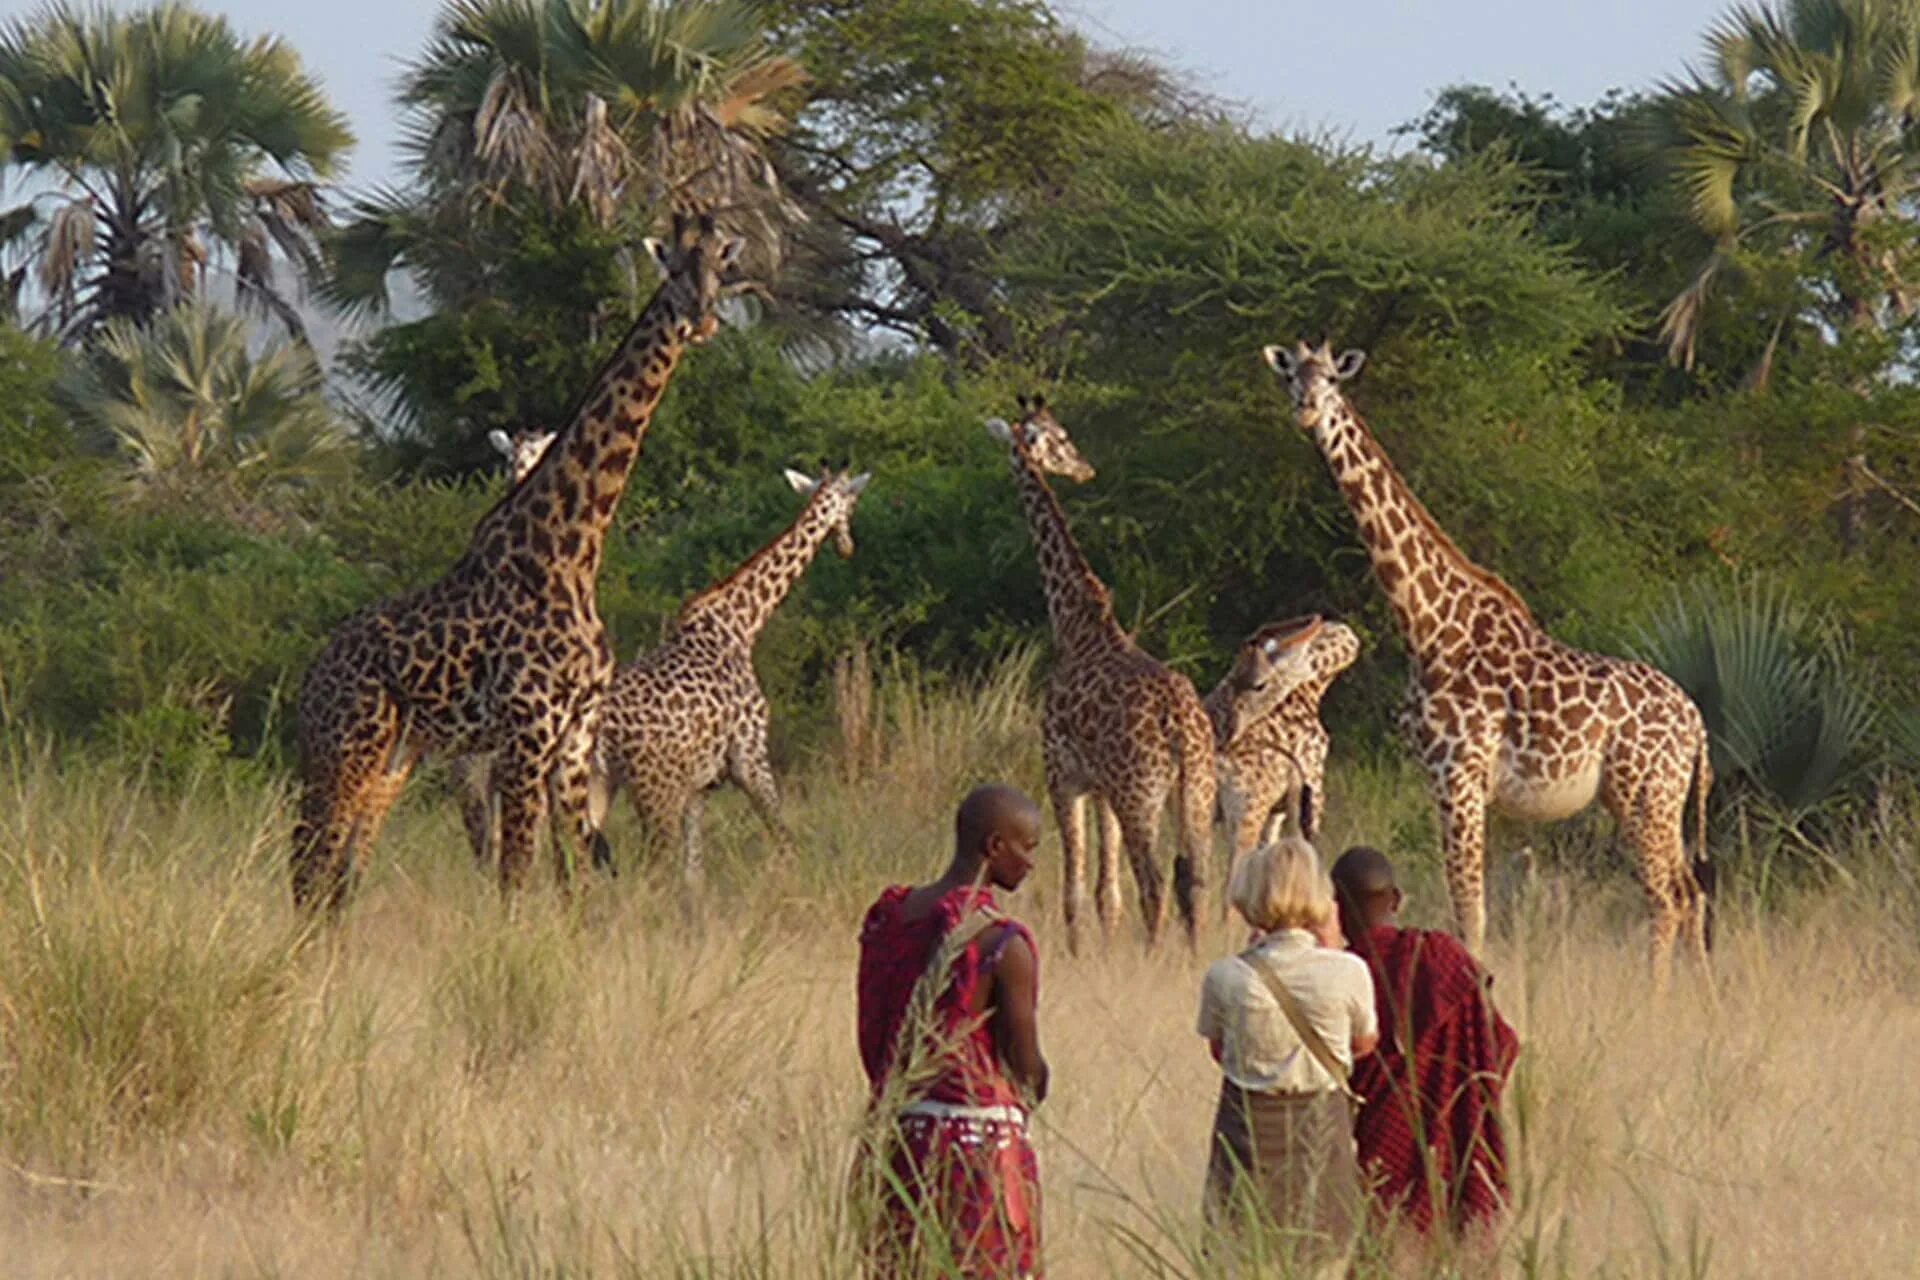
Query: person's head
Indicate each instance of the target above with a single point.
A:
(1280, 886)
(1363, 883)
(997, 828)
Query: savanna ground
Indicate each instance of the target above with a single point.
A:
(600, 1087)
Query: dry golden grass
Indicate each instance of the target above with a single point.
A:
(601, 1088)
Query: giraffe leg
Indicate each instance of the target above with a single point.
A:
(1650, 826)
(351, 779)
(522, 785)
(477, 808)
(574, 808)
(693, 865)
(1070, 811)
(1139, 831)
(1462, 797)
(1107, 882)
(748, 766)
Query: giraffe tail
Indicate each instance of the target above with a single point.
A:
(1197, 797)
(1701, 869)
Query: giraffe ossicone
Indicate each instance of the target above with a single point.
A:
(1500, 713)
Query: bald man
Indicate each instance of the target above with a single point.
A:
(949, 1035)
(1429, 1132)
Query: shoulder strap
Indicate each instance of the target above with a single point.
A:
(1302, 1026)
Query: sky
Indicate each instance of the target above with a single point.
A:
(1350, 68)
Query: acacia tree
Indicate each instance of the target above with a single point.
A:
(161, 140)
(930, 129)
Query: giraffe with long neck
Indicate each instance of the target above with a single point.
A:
(506, 652)
(1499, 711)
(691, 714)
(1267, 733)
(1118, 727)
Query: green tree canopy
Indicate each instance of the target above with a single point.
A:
(165, 142)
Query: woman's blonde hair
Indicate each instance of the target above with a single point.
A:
(1281, 886)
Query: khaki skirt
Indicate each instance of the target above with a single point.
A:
(1282, 1176)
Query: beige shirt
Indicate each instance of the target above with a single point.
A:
(1259, 1049)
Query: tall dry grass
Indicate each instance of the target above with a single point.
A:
(599, 1086)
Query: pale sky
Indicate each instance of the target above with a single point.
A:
(1354, 68)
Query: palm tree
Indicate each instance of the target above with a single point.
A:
(616, 106)
(1801, 139)
(161, 138)
(192, 409)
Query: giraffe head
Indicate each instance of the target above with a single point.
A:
(835, 496)
(523, 449)
(1039, 438)
(1271, 664)
(692, 261)
(1313, 376)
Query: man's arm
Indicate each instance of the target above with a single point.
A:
(1016, 1022)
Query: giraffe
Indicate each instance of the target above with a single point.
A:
(1499, 711)
(506, 652)
(523, 450)
(1267, 734)
(690, 714)
(1118, 727)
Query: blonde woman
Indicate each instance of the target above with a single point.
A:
(1285, 1020)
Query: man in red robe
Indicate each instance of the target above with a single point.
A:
(1429, 1131)
(948, 989)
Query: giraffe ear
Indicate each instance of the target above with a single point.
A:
(658, 251)
(1349, 363)
(800, 480)
(501, 441)
(1038, 401)
(999, 430)
(1279, 359)
(859, 483)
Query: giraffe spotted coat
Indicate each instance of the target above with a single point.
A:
(1268, 736)
(506, 652)
(1118, 728)
(1500, 713)
(691, 715)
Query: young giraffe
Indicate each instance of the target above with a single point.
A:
(506, 653)
(1117, 726)
(1267, 734)
(1501, 711)
(691, 713)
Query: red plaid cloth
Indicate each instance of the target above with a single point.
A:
(1431, 1122)
(976, 1178)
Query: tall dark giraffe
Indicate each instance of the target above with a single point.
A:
(1499, 710)
(506, 653)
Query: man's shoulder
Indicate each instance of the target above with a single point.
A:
(1436, 944)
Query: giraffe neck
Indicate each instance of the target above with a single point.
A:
(1078, 603)
(556, 521)
(742, 602)
(1430, 584)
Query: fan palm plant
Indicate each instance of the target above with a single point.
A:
(616, 106)
(1800, 140)
(1772, 679)
(190, 406)
(159, 138)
